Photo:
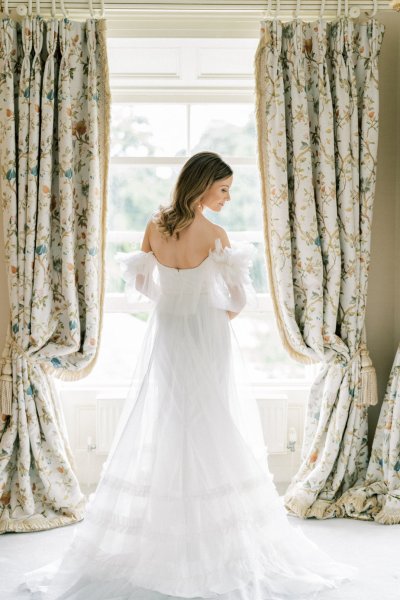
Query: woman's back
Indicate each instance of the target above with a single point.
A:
(190, 249)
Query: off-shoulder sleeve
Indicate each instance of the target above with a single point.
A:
(232, 287)
(140, 275)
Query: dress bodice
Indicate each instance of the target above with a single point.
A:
(222, 279)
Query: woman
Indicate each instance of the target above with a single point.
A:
(186, 506)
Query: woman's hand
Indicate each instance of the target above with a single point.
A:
(232, 314)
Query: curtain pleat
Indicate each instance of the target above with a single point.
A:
(54, 119)
(44, 317)
(317, 122)
(378, 497)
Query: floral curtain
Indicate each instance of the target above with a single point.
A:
(54, 126)
(378, 498)
(317, 108)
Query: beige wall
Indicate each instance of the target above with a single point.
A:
(383, 307)
(4, 306)
(382, 319)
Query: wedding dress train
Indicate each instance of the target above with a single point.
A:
(186, 506)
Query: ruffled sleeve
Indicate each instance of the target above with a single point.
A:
(140, 275)
(232, 288)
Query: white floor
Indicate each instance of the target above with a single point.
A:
(374, 548)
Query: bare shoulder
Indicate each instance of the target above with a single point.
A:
(222, 235)
(148, 234)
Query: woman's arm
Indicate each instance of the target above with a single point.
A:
(145, 246)
(226, 243)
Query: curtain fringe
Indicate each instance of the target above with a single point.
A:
(319, 509)
(357, 498)
(38, 523)
(388, 516)
(104, 128)
(373, 502)
(105, 123)
(297, 507)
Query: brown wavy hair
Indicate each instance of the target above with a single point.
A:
(198, 174)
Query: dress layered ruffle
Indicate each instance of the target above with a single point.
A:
(224, 276)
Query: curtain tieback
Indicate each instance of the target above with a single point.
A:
(6, 377)
(5, 386)
(369, 387)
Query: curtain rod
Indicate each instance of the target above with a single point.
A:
(261, 8)
(22, 9)
(114, 6)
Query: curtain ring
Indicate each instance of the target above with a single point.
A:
(53, 8)
(346, 8)
(37, 8)
(297, 9)
(375, 10)
(277, 9)
(29, 8)
(102, 9)
(91, 8)
(339, 8)
(321, 12)
(63, 9)
(5, 11)
(266, 14)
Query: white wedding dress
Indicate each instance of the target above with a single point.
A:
(186, 506)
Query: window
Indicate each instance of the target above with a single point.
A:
(189, 98)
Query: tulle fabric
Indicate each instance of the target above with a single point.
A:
(186, 506)
(223, 277)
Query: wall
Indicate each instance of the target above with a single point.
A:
(4, 305)
(382, 318)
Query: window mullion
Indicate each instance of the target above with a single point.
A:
(236, 161)
(188, 131)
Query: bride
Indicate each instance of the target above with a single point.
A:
(186, 506)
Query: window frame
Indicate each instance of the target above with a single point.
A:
(117, 302)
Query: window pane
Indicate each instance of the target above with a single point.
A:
(114, 281)
(243, 212)
(135, 192)
(148, 129)
(259, 270)
(262, 349)
(118, 354)
(256, 334)
(228, 129)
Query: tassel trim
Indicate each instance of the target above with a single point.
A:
(6, 387)
(369, 386)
